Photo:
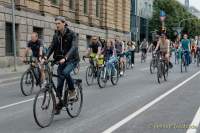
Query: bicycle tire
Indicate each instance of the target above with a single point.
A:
(35, 114)
(32, 83)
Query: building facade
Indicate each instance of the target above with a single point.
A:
(141, 11)
(104, 18)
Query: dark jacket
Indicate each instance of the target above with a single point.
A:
(64, 46)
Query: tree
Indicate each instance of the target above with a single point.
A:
(175, 13)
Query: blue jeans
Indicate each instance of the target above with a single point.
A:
(187, 57)
(64, 71)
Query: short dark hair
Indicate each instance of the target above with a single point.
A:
(62, 19)
(36, 34)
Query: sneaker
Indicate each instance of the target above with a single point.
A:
(72, 95)
(132, 65)
(58, 108)
(121, 73)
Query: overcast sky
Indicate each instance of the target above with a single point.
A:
(195, 3)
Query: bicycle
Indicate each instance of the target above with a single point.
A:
(184, 62)
(154, 63)
(32, 77)
(198, 57)
(176, 55)
(48, 100)
(143, 57)
(92, 70)
(128, 60)
(109, 71)
(162, 68)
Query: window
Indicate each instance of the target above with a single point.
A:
(71, 4)
(85, 6)
(97, 8)
(39, 31)
(55, 2)
(9, 40)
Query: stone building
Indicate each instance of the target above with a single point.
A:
(104, 18)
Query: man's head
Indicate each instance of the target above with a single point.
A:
(94, 39)
(185, 36)
(34, 36)
(60, 23)
(163, 36)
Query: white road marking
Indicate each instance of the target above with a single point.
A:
(147, 106)
(7, 84)
(14, 104)
(144, 69)
(195, 123)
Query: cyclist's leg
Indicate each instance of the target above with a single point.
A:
(67, 70)
(60, 81)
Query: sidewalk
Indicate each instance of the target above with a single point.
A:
(9, 75)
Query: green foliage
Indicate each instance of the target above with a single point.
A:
(175, 13)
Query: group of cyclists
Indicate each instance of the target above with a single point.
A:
(64, 48)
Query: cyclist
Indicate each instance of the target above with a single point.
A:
(193, 49)
(65, 49)
(36, 46)
(164, 47)
(95, 50)
(185, 45)
(119, 46)
(144, 47)
(131, 49)
(109, 50)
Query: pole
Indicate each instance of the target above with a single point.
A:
(13, 33)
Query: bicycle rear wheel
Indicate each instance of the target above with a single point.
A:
(74, 106)
(44, 108)
(27, 83)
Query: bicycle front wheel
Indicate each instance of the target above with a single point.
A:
(102, 77)
(44, 108)
(74, 106)
(89, 75)
(27, 83)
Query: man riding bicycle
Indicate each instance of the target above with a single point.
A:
(65, 48)
(94, 50)
(144, 46)
(185, 45)
(36, 46)
(119, 47)
(164, 47)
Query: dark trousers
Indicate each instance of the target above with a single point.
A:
(133, 57)
(64, 71)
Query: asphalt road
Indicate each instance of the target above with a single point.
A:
(138, 104)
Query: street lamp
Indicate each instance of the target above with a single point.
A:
(13, 33)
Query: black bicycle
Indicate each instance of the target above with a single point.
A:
(45, 101)
(198, 57)
(109, 71)
(143, 56)
(32, 76)
(162, 68)
(154, 63)
(92, 70)
(184, 63)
